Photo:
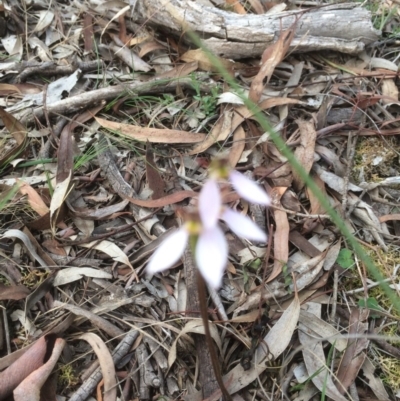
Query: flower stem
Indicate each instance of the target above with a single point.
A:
(214, 357)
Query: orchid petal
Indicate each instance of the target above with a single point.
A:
(243, 226)
(169, 252)
(212, 255)
(209, 204)
(248, 189)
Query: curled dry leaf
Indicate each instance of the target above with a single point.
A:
(271, 57)
(27, 242)
(31, 360)
(106, 365)
(30, 388)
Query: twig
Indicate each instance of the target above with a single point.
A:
(120, 351)
(207, 378)
(214, 357)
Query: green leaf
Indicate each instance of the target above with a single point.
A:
(371, 303)
(345, 258)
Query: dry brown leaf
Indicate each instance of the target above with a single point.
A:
(388, 217)
(88, 33)
(314, 359)
(14, 292)
(305, 151)
(31, 360)
(237, 7)
(106, 364)
(16, 129)
(281, 234)
(65, 161)
(271, 57)
(154, 135)
(204, 62)
(354, 355)
(7, 89)
(61, 191)
(149, 47)
(220, 132)
(30, 388)
(180, 71)
(34, 199)
(19, 133)
(166, 200)
(239, 143)
(156, 183)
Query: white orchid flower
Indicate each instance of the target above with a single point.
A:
(211, 249)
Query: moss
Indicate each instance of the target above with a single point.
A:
(376, 159)
(67, 377)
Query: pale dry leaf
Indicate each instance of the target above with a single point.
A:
(27, 242)
(307, 272)
(373, 381)
(45, 19)
(333, 181)
(13, 46)
(111, 250)
(314, 359)
(61, 191)
(322, 329)
(193, 326)
(85, 226)
(151, 134)
(130, 58)
(390, 92)
(115, 17)
(71, 274)
(106, 364)
(42, 50)
(332, 255)
(250, 253)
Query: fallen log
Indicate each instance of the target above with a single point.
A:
(344, 27)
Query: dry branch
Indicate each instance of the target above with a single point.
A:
(341, 27)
